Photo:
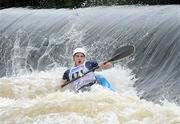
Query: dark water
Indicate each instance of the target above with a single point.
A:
(36, 40)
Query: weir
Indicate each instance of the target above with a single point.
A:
(40, 40)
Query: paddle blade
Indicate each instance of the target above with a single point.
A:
(122, 52)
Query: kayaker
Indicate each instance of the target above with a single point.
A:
(81, 65)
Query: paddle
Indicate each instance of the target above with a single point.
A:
(119, 54)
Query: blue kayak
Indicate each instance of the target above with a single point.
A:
(102, 81)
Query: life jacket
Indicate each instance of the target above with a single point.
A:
(83, 81)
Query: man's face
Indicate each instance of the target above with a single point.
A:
(79, 59)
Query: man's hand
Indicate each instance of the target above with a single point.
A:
(62, 82)
(102, 65)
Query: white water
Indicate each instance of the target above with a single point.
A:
(33, 99)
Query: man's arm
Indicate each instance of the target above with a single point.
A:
(58, 87)
(91, 63)
(65, 78)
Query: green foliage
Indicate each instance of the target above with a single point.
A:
(78, 3)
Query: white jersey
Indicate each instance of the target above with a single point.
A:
(79, 71)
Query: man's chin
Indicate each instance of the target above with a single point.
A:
(79, 63)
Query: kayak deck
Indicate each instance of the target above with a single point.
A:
(102, 81)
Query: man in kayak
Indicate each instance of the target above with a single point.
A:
(81, 65)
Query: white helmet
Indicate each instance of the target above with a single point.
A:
(79, 50)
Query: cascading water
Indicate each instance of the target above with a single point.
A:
(36, 47)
